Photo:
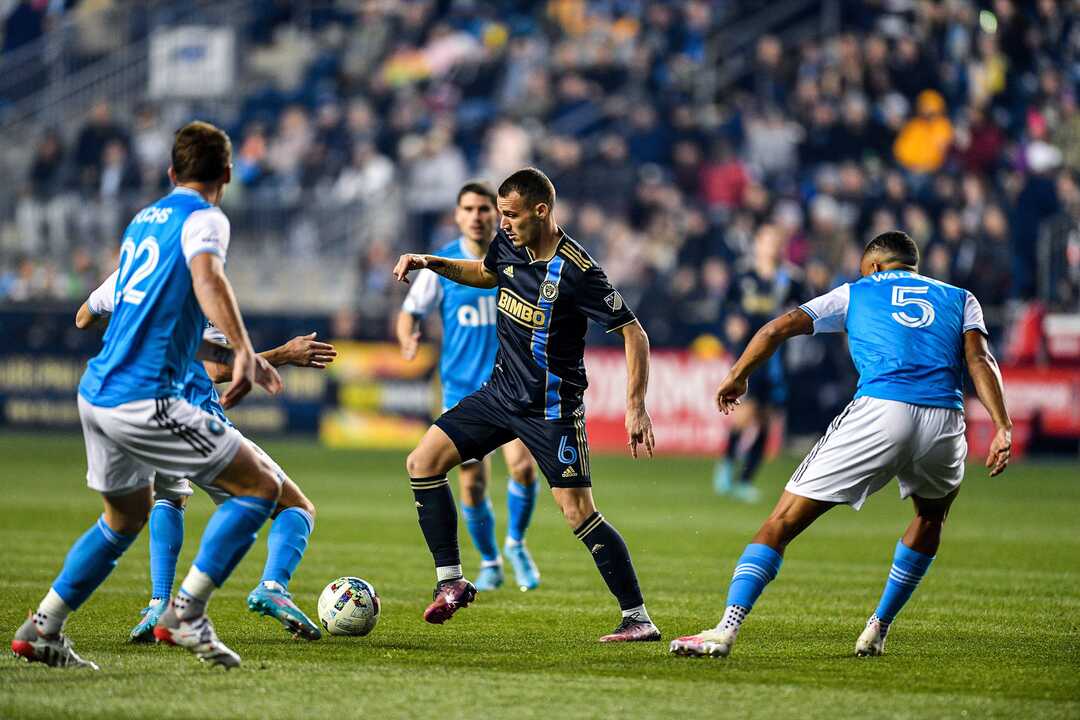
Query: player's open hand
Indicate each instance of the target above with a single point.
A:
(728, 394)
(639, 431)
(250, 370)
(306, 351)
(1000, 450)
(410, 345)
(407, 263)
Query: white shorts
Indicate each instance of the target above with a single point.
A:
(127, 444)
(874, 440)
(169, 487)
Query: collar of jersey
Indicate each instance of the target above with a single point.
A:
(185, 191)
(532, 258)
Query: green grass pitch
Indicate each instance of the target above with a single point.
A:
(994, 630)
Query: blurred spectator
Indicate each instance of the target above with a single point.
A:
(99, 131)
(924, 140)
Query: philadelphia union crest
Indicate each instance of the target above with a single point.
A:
(549, 291)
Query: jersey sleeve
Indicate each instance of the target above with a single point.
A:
(491, 259)
(205, 231)
(829, 311)
(973, 314)
(102, 301)
(601, 302)
(425, 294)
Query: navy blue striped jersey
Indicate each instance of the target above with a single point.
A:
(544, 307)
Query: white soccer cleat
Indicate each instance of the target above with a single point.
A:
(55, 650)
(714, 642)
(872, 641)
(197, 636)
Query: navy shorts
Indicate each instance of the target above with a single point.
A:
(768, 386)
(481, 423)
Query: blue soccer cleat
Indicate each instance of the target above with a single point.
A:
(275, 602)
(144, 631)
(490, 577)
(526, 574)
(722, 480)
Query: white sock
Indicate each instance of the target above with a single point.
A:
(51, 614)
(273, 585)
(497, 562)
(448, 572)
(640, 611)
(733, 618)
(156, 602)
(512, 542)
(194, 594)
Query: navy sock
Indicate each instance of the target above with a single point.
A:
(480, 522)
(907, 570)
(520, 502)
(89, 562)
(438, 518)
(230, 534)
(612, 560)
(734, 438)
(756, 568)
(286, 543)
(166, 539)
(754, 455)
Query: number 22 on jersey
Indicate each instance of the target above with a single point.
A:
(901, 297)
(145, 258)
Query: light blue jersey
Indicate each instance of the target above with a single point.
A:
(468, 315)
(905, 335)
(157, 324)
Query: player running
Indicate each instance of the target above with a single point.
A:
(548, 289)
(762, 288)
(135, 421)
(910, 338)
(469, 343)
(292, 520)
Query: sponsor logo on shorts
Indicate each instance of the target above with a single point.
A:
(520, 310)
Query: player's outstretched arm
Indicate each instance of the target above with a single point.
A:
(639, 429)
(85, 319)
(466, 272)
(218, 302)
(986, 376)
(407, 329)
(301, 351)
(761, 347)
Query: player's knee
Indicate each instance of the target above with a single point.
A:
(417, 465)
(523, 472)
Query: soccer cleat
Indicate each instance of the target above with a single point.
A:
(195, 635)
(872, 641)
(713, 642)
(54, 651)
(144, 631)
(631, 629)
(746, 492)
(449, 597)
(490, 577)
(526, 574)
(722, 477)
(277, 603)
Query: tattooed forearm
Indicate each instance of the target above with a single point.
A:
(447, 268)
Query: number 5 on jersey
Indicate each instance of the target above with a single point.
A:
(901, 298)
(127, 286)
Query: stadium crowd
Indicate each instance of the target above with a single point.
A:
(956, 121)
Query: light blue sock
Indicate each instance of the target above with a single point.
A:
(286, 543)
(520, 501)
(229, 535)
(166, 539)
(481, 524)
(907, 570)
(89, 562)
(757, 566)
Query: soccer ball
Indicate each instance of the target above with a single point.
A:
(349, 606)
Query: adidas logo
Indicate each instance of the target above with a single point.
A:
(419, 505)
(508, 271)
(569, 472)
